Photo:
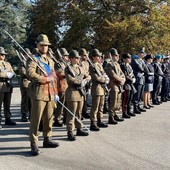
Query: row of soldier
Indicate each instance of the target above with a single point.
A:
(113, 87)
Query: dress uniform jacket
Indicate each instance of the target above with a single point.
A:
(97, 80)
(130, 78)
(72, 94)
(24, 81)
(4, 68)
(138, 69)
(115, 74)
(39, 89)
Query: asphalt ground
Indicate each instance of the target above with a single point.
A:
(139, 143)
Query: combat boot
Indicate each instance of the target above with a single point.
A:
(101, 124)
(71, 136)
(136, 110)
(112, 120)
(125, 115)
(94, 127)
(118, 119)
(57, 123)
(8, 121)
(34, 149)
(81, 132)
(48, 143)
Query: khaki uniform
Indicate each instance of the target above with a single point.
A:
(42, 98)
(62, 86)
(97, 92)
(115, 79)
(24, 83)
(85, 66)
(5, 88)
(73, 97)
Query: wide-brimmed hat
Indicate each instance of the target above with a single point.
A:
(82, 51)
(64, 52)
(43, 40)
(113, 51)
(2, 51)
(74, 54)
(95, 52)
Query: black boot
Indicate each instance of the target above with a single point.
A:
(81, 132)
(24, 117)
(141, 109)
(101, 124)
(34, 149)
(118, 119)
(112, 120)
(48, 143)
(125, 115)
(8, 121)
(94, 127)
(71, 136)
(86, 115)
(57, 123)
(136, 110)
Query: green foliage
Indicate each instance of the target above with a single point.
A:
(125, 25)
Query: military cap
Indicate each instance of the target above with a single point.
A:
(148, 56)
(2, 51)
(73, 53)
(141, 50)
(64, 51)
(83, 51)
(158, 56)
(35, 51)
(126, 55)
(95, 52)
(113, 51)
(135, 57)
(43, 40)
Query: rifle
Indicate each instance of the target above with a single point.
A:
(26, 53)
(56, 61)
(78, 87)
(98, 73)
(21, 57)
(119, 86)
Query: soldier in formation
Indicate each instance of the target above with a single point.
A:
(6, 75)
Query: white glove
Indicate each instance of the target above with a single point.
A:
(49, 79)
(107, 80)
(84, 82)
(134, 80)
(56, 98)
(10, 75)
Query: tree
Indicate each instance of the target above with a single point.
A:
(13, 16)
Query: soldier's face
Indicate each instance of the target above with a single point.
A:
(43, 49)
(141, 55)
(115, 57)
(66, 58)
(2, 56)
(75, 60)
